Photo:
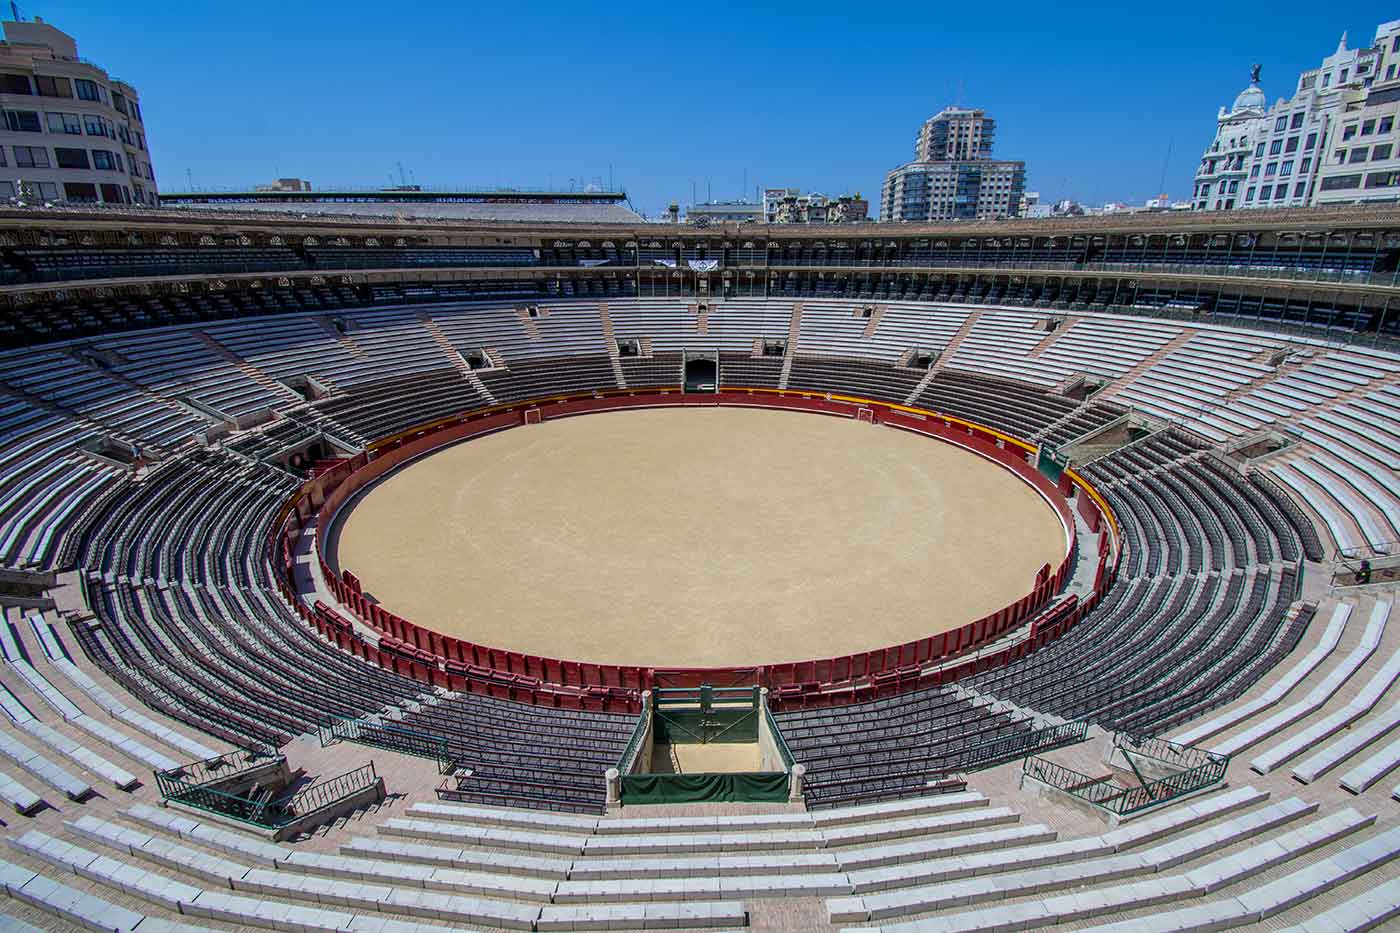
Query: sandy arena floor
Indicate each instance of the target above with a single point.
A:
(697, 537)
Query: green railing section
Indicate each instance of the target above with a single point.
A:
(386, 735)
(223, 767)
(267, 812)
(783, 751)
(705, 714)
(1005, 748)
(628, 758)
(1200, 769)
(700, 716)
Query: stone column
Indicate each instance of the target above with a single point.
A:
(795, 783)
(614, 783)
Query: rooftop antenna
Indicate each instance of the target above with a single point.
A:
(14, 10)
(610, 178)
(189, 179)
(401, 178)
(961, 88)
(744, 190)
(1162, 184)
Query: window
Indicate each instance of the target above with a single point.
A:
(48, 190)
(31, 157)
(1297, 121)
(3, 163)
(1280, 192)
(7, 189)
(135, 110)
(1280, 124)
(70, 158)
(112, 194)
(1327, 79)
(118, 102)
(1348, 131)
(1368, 127)
(1304, 165)
(1248, 195)
(1234, 186)
(1342, 78)
(22, 121)
(102, 160)
(1381, 152)
(1358, 154)
(53, 87)
(15, 84)
(1286, 168)
(1265, 191)
(95, 126)
(1254, 172)
(1341, 156)
(1205, 190)
(1383, 180)
(88, 90)
(1387, 123)
(1341, 182)
(1259, 151)
(1291, 145)
(1276, 147)
(1271, 170)
(1307, 82)
(1389, 72)
(81, 192)
(1312, 141)
(65, 123)
(1299, 188)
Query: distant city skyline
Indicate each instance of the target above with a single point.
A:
(663, 104)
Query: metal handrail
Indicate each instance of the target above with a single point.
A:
(784, 752)
(394, 738)
(630, 752)
(1006, 747)
(1102, 792)
(220, 767)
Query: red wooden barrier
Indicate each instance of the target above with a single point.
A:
(418, 652)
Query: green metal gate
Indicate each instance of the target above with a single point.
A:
(706, 714)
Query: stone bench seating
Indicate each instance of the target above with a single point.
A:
(1370, 770)
(1021, 874)
(1266, 900)
(1318, 732)
(1324, 689)
(60, 744)
(422, 897)
(1205, 878)
(1354, 740)
(1367, 910)
(1280, 687)
(14, 793)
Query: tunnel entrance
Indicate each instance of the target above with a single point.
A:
(701, 372)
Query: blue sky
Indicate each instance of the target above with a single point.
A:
(823, 96)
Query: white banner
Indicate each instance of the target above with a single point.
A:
(590, 263)
(668, 263)
(703, 265)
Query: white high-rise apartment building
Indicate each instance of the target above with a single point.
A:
(1275, 156)
(68, 130)
(954, 176)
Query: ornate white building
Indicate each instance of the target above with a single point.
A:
(1273, 156)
